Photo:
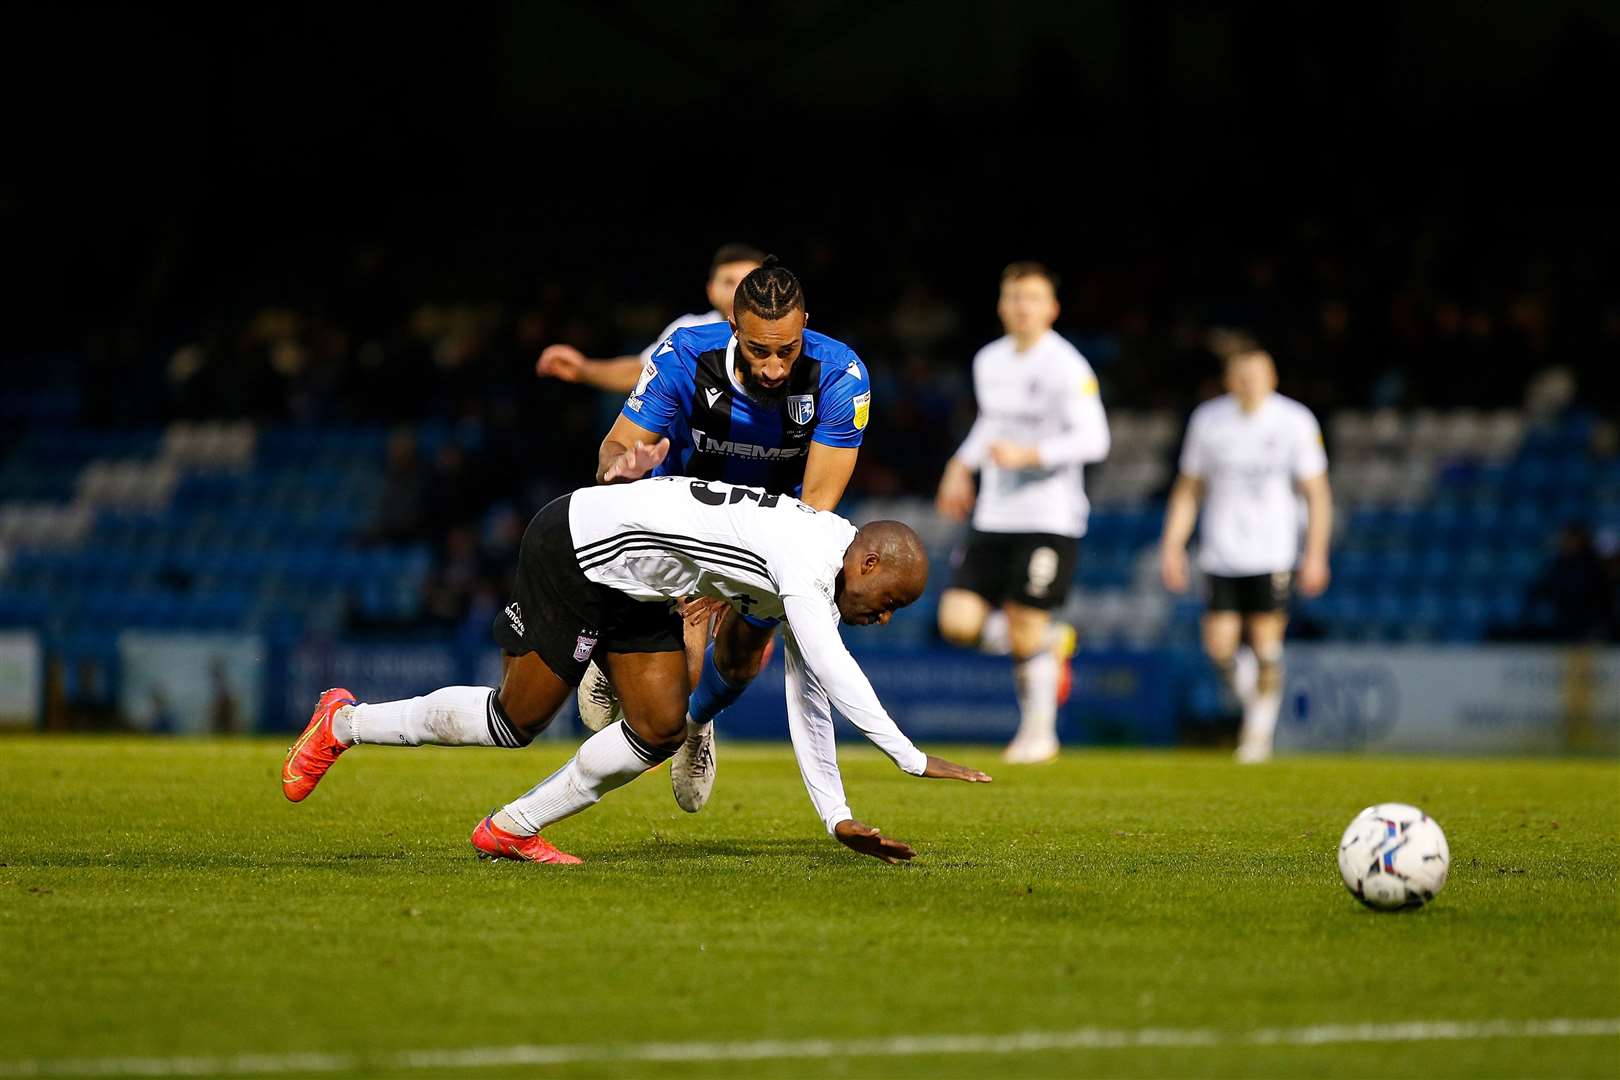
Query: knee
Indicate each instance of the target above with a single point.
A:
(664, 728)
(1026, 641)
(960, 626)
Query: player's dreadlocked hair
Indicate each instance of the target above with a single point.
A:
(771, 292)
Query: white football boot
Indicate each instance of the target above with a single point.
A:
(1031, 750)
(598, 704)
(1251, 753)
(691, 770)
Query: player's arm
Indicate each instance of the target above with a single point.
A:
(1084, 437)
(956, 493)
(1314, 571)
(826, 474)
(637, 442)
(1182, 512)
(629, 452)
(568, 364)
(810, 726)
(836, 443)
(815, 630)
(1179, 518)
(1310, 475)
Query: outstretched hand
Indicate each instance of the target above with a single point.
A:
(940, 769)
(561, 362)
(869, 841)
(637, 461)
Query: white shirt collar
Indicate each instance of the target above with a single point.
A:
(731, 367)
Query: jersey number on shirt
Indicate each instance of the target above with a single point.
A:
(703, 493)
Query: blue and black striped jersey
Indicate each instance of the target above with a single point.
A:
(689, 392)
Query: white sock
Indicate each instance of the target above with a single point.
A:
(1260, 719)
(1245, 676)
(1036, 680)
(995, 638)
(453, 716)
(609, 759)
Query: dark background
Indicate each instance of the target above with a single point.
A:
(172, 174)
(356, 228)
(297, 213)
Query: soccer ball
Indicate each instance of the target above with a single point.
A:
(1394, 856)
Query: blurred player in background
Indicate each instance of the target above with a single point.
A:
(1040, 422)
(761, 401)
(731, 264)
(1248, 456)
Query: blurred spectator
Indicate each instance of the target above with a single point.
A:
(1573, 599)
(401, 510)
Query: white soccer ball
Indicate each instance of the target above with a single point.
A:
(1394, 856)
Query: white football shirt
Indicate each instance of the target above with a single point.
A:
(680, 323)
(1047, 397)
(770, 556)
(1250, 464)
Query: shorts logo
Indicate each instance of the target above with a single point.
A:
(801, 408)
(1043, 570)
(584, 645)
(514, 615)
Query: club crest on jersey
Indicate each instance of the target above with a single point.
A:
(584, 645)
(801, 408)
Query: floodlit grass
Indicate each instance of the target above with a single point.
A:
(159, 898)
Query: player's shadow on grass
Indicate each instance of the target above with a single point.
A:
(675, 850)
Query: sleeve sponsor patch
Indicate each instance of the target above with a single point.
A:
(863, 409)
(649, 372)
(1088, 386)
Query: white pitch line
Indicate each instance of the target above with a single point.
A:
(769, 1049)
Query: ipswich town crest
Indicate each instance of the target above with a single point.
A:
(584, 645)
(801, 408)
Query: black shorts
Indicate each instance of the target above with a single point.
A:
(1256, 595)
(1033, 569)
(565, 617)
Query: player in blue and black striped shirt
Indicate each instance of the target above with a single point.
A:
(760, 401)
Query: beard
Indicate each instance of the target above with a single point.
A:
(765, 395)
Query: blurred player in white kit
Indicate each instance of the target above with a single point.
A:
(1040, 422)
(1248, 457)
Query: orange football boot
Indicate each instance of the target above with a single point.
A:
(493, 842)
(316, 749)
(1068, 642)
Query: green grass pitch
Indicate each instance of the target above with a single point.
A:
(159, 899)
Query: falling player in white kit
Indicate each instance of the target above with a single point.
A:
(1040, 422)
(1248, 456)
(597, 575)
(730, 265)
